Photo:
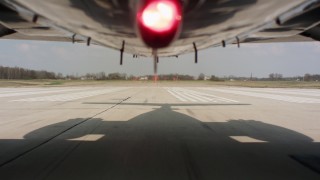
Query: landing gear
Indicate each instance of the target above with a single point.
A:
(195, 53)
(121, 52)
(155, 65)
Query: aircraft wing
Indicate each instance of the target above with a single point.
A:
(205, 23)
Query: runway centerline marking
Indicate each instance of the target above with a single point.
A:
(247, 139)
(35, 92)
(303, 92)
(88, 137)
(187, 95)
(70, 96)
(291, 99)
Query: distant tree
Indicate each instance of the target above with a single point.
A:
(101, 76)
(214, 78)
(279, 76)
(201, 76)
(59, 76)
(184, 77)
(307, 77)
(316, 77)
(275, 76)
(116, 76)
(271, 76)
(132, 77)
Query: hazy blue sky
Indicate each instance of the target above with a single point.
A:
(289, 59)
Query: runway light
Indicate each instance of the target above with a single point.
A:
(159, 21)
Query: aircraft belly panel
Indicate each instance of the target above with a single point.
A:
(110, 22)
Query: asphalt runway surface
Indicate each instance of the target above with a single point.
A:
(157, 132)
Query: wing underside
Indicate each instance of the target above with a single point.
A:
(207, 23)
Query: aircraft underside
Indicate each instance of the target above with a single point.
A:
(204, 24)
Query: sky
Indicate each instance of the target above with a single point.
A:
(289, 59)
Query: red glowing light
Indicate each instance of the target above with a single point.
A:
(160, 15)
(159, 21)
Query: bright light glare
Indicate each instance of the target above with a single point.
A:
(160, 15)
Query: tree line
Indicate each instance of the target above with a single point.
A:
(23, 73)
(104, 76)
(271, 77)
(279, 77)
(26, 74)
(311, 77)
(173, 77)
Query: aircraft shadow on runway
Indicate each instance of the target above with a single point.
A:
(161, 144)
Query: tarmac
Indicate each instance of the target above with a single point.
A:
(158, 132)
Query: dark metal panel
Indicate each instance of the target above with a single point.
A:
(208, 23)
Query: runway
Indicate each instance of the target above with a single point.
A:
(159, 132)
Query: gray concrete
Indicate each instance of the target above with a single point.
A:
(159, 132)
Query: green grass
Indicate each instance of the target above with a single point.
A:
(64, 83)
(17, 83)
(269, 84)
(55, 83)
